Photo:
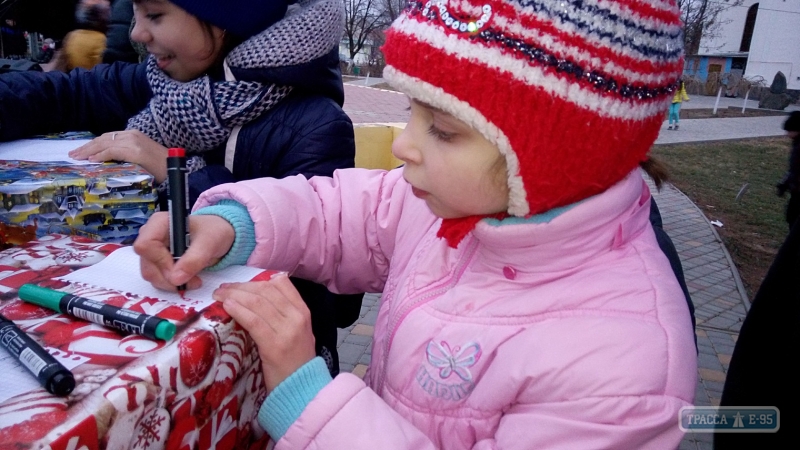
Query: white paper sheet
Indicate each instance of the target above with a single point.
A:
(119, 271)
(42, 150)
(18, 380)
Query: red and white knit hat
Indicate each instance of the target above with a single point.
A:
(572, 92)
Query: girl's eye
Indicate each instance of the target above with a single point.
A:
(154, 16)
(440, 135)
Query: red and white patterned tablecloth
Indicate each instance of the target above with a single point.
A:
(200, 390)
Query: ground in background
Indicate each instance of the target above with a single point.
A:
(734, 182)
(729, 112)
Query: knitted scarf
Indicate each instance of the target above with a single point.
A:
(200, 114)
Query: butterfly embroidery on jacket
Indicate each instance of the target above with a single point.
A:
(456, 360)
(448, 361)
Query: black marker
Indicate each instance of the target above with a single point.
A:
(100, 313)
(56, 378)
(178, 205)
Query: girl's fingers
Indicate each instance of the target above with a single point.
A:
(156, 262)
(284, 285)
(152, 246)
(254, 295)
(269, 304)
(85, 150)
(211, 238)
(94, 146)
(107, 154)
(281, 331)
(256, 315)
(281, 298)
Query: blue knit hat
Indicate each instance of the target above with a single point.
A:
(244, 18)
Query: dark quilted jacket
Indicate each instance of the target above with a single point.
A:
(307, 133)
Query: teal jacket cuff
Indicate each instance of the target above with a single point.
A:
(285, 404)
(245, 241)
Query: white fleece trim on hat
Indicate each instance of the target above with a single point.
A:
(438, 98)
(610, 107)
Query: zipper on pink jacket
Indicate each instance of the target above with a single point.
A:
(421, 300)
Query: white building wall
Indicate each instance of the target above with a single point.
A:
(775, 45)
(729, 36)
(362, 57)
(776, 42)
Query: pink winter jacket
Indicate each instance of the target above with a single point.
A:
(572, 334)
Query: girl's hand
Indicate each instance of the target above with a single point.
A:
(130, 146)
(211, 238)
(278, 321)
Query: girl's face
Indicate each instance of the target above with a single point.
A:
(183, 46)
(450, 165)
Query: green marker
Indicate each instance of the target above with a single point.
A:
(100, 313)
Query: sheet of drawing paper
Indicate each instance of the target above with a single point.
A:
(18, 380)
(41, 150)
(119, 271)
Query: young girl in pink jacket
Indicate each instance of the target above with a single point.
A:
(526, 303)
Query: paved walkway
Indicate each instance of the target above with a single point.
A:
(719, 297)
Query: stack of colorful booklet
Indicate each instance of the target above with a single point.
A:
(43, 191)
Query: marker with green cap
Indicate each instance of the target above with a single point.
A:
(122, 319)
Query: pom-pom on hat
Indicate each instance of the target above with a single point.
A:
(243, 18)
(572, 92)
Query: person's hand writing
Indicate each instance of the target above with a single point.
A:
(210, 239)
(278, 321)
(130, 146)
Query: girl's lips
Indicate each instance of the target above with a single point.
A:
(419, 193)
(163, 61)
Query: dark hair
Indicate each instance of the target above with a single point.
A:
(792, 122)
(94, 17)
(656, 169)
(229, 40)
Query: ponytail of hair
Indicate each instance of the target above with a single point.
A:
(656, 169)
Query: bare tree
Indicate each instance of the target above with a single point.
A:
(365, 22)
(362, 19)
(701, 19)
(391, 9)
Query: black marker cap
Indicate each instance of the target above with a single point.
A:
(60, 383)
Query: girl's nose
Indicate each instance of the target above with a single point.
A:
(403, 147)
(139, 33)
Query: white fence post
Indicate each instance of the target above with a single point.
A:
(745, 99)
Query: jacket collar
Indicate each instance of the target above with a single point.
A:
(577, 233)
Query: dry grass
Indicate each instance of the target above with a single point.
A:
(713, 174)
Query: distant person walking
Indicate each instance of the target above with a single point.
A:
(675, 108)
(84, 46)
(791, 182)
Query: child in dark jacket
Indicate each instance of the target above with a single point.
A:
(216, 84)
(791, 181)
(84, 46)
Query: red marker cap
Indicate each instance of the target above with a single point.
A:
(177, 151)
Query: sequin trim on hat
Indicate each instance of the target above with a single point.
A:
(462, 24)
(436, 10)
